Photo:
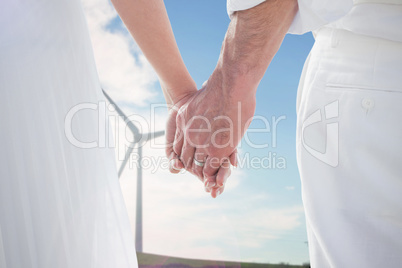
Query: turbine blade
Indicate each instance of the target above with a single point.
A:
(126, 157)
(154, 135)
(130, 124)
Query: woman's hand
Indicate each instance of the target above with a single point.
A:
(209, 127)
(175, 165)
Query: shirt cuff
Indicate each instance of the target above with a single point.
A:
(237, 5)
(312, 14)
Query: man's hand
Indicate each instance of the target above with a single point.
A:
(209, 128)
(176, 164)
(212, 122)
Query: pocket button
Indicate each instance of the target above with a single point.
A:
(367, 104)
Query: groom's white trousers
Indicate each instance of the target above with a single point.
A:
(349, 145)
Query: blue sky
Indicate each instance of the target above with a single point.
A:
(259, 217)
(199, 27)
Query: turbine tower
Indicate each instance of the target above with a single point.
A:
(137, 142)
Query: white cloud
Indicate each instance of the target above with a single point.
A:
(123, 70)
(179, 217)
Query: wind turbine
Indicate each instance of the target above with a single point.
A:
(137, 139)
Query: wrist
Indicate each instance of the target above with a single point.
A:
(175, 93)
(234, 82)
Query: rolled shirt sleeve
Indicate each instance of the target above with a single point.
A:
(312, 14)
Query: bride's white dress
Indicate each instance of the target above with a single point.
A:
(60, 205)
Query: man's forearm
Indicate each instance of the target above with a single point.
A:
(253, 38)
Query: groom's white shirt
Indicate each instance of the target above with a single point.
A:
(379, 18)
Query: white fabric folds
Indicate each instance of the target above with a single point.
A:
(60, 205)
(348, 150)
